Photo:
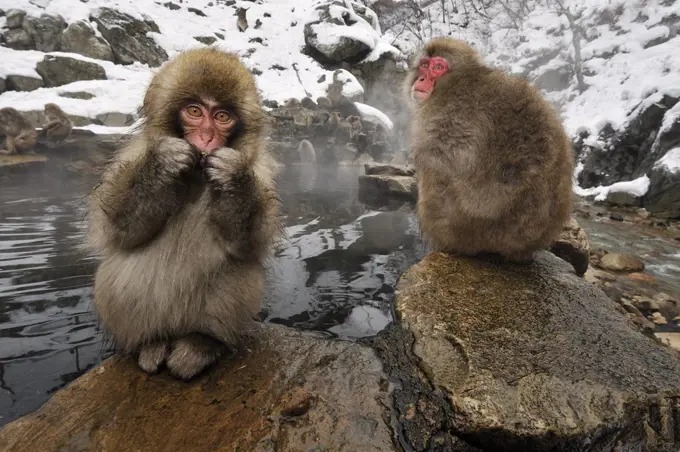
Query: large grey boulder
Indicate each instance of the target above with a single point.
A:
(663, 197)
(129, 38)
(57, 70)
(526, 358)
(23, 83)
(80, 38)
(45, 31)
(288, 392)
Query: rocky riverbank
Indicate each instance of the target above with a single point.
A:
(481, 357)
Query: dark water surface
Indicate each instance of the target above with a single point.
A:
(334, 273)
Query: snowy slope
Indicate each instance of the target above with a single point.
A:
(620, 71)
(123, 92)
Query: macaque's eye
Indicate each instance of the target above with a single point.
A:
(222, 116)
(425, 64)
(194, 111)
(439, 66)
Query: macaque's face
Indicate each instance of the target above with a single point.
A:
(206, 125)
(430, 69)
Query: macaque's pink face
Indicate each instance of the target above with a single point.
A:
(429, 71)
(206, 126)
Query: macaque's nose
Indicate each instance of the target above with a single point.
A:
(207, 139)
(421, 78)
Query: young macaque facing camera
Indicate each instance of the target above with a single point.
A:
(185, 217)
(493, 163)
(58, 125)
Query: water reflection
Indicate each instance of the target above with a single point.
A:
(334, 273)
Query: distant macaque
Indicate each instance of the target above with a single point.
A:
(355, 122)
(185, 217)
(343, 133)
(292, 103)
(493, 163)
(308, 103)
(58, 126)
(324, 103)
(241, 21)
(19, 133)
(306, 152)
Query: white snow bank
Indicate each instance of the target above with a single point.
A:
(670, 162)
(281, 34)
(374, 115)
(637, 187)
(351, 88)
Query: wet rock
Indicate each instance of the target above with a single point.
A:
(78, 95)
(196, 11)
(624, 199)
(80, 38)
(3, 85)
(18, 39)
(115, 119)
(45, 31)
(670, 339)
(58, 70)
(378, 189)
(15, 18)
(207, 40)
(519, 356)
(642, 277)
(23, 83)
(663, 197)
(289, 392)
(345, 48)
(626, 152)
(384, 169)
(172, 6)
(128, 37)
(618, 262)
(645, 304)
(573, 246)
(658, 319)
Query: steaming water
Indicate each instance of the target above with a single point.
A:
(334, 273)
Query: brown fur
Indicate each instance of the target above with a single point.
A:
(19, 133)
(494, 165)
(306, 152)
(183, 247)
(58, 126)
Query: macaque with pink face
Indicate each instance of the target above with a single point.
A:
(185, 217)
(492, 160)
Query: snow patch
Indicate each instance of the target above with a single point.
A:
(670, 162)
(374, 115)
(637, 187)
(351, 88)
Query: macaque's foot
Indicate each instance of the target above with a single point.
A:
(192, 354)
(223, 164)
(175, 155)
(152, 356)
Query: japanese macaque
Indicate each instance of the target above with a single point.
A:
(19, 133)
(355, 122)
(185, 217)
(58, 126)
(493, 163)
(343, 133)
(324, 102)
(306, 152)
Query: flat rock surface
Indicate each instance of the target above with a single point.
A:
(289, 392)
(531, 357)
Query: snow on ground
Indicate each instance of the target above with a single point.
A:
(670, 161)
(282, 35)
(637, 187)
(374, 115)
(620, 72)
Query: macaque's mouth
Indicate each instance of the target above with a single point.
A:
(421, 95)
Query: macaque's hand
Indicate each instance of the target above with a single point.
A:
(223, 164)
(175, 156)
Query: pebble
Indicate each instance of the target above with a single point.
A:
(642, 277)
(620, 262)
(658, 318)
(616, 217)
(670, 339)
